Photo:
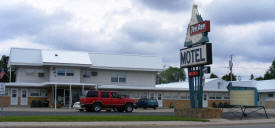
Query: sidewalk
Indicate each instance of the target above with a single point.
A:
(120, 124)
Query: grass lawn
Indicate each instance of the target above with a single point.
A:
(78, 118)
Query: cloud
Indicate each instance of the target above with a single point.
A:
(24, 20)
(240, 12)
(149, 37)
(150, 27)
(19, 43)
(168, 5)
(254, 42)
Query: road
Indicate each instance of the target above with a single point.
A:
(226, 115)
(237, 126)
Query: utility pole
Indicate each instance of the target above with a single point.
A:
(230, 67)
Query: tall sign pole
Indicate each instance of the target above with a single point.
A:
(196, 54)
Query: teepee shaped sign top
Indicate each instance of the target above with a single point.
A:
(198, 29)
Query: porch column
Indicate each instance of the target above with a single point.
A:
(55, 92)
(52, 97)
(83, 90)
(10, 73)
(70, 104)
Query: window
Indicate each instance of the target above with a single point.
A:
(86, 74)
(134, 95)
(92, 94)
(115, 95)
(142, 94)
(219, 96)
(211, 96)
(41, 74)
(104, 94)
(61, 72)
(69, 72)
(94, 73)
(114, 79)
(34, 92)
(270, 95)
(118, 77)
(167, 95)
(65, 72)
(152, 95)
(43, 92)
(183, 95)
(7, 91)
(226, 96)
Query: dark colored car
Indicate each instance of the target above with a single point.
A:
(147, 103)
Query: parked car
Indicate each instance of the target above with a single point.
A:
(77, 106)
(147, 103)
(97, 100)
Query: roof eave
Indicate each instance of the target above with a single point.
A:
(125, 68)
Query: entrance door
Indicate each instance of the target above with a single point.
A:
(14, 96)
(159, 98)
(205, 101)
(24, 97)
(66, 97)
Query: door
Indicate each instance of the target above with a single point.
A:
(159, 99)
(116, 99)
(66, 97)
(14, 96)
(205, 101)
(24, 97)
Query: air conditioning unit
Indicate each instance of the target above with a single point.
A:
(41, 74)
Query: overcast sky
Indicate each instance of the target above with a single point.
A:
(244, 28)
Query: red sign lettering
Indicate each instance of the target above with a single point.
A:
(194, 73)
(203, 26)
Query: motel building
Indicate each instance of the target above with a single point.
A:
(62, 77)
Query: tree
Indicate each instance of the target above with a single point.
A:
(259, 78)
(227, 77)
(4, 65)
(172, 74)
(212, 75)
(269, 74)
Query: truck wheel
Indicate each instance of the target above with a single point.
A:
(96, 107)
(129, 107)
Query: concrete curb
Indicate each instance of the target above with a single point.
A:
(134, 124)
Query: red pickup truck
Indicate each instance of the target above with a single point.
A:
(97, 100)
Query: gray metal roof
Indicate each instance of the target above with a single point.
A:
(23, 56)
(210, 84)
(101, 60)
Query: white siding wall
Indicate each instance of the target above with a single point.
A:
(133, 78)
(64, 79)
(30, 74)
